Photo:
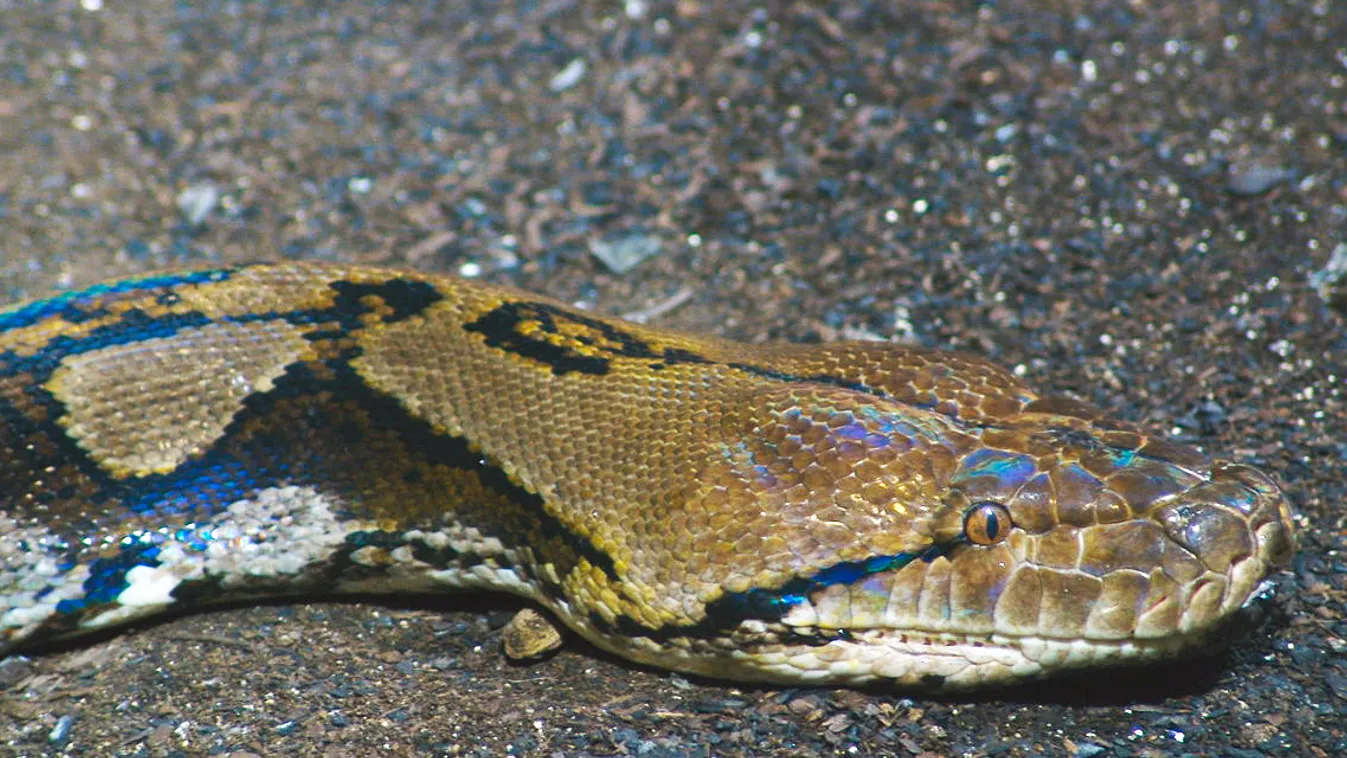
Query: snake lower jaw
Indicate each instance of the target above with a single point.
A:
(953, 662)
(912, 661)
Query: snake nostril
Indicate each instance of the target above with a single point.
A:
(1277, 541)
(1261, 501)
(1218, 537)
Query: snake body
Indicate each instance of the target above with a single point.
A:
(837, 513)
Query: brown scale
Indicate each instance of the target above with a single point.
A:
(817, 509)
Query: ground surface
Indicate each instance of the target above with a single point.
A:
(1127, 201)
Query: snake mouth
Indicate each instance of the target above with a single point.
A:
(951, 661)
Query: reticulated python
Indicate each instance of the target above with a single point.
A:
(808, 514)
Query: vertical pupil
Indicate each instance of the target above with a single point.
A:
(991, 525)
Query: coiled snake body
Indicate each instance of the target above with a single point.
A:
(836, 513)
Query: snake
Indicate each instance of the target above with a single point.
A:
(839, 513)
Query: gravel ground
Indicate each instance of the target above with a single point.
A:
(1138, 203)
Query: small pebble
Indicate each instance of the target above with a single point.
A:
(1256, 179)
(624, 251)
(569, 76)
(197, 201)
(1331, 280)
(60, 734)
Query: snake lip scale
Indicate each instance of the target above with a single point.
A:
(841, 513)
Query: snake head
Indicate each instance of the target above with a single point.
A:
(913, 546)
(1107, 545)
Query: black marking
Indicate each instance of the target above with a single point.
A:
(934, 681)
(781, 376)
(497, 480)
(192, 592)
(725, 614)
(457, 452)
(46, 476)
(342, 565)
(1080, 438)
(503, 328)
(322, 335)
(447, 556)
(407, 298)
(440, 558)
(84, 314)
(107, 576)
(601, 624)
(1083, 439)
(75, 307)
(728, 611)
(133, 326)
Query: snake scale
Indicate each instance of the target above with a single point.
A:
(836, 513)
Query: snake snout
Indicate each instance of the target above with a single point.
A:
(1268, 512)
(1239, 513)
(1239, 525)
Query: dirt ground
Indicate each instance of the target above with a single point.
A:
(1137, 203)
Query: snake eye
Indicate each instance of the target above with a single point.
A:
(986, 523)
